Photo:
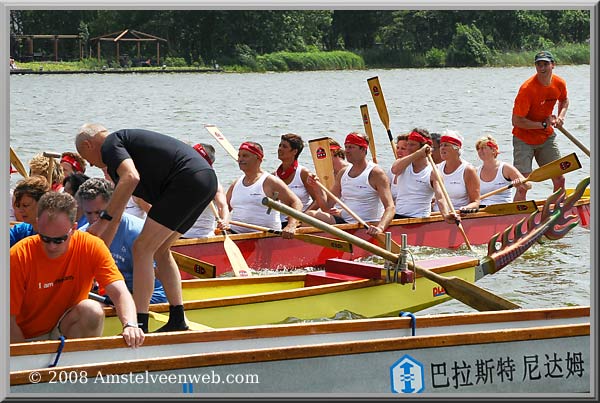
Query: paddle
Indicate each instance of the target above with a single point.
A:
(234, 254)
(222, 140)
(323, 160)
(16, 162)
(574, 140)
(50, 157)
(314, 239)
(381, 108)
(462, 290)
(380, 237)
(364, 110)
(522, 207)
(555, 168)
(195, 267)
(440, 181)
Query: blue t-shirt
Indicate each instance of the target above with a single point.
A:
(121, 249)
(20, 231)
(82, 221)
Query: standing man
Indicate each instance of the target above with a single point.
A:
(174, 179)
(533, 120)
(52, 273)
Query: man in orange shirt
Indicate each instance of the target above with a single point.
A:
(51, 274)
(533, 119)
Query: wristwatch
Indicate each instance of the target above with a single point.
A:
(105, 216)
(544, 124)
(130, 324)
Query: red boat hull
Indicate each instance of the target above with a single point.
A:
(265, 251)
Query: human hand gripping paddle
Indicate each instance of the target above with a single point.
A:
(16, 162)
(380, 237)
(314, 239)
(555, 168)
(381, 108)
(467, 293)
(440, 181)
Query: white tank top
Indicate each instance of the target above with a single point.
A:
(297, 186)
(393, 186)
(247, 207)
(414, 199)
(133, 209)
(204, 226)
(496, 183)
(455, 185)
(360, 196)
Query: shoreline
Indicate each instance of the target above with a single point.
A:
(107, 71)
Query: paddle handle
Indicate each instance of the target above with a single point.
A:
(499, 190)
(344, 206)
(252, 226)
(440, 181)
(50, 157)
(574, 140)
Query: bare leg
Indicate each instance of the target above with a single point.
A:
(168, 272)
(559, 182)
(86, 319)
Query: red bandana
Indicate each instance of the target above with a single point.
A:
(492, 145)
(418, 137)
(253, 149)
(355, 139)
(334, 147)
(198, 147)
(284, 175)
(73, 162)
(451, 140)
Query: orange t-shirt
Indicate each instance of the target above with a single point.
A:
(536, 102)
(42, 289)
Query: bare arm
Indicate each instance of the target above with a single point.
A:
(524, 123)
(123, 301)
(379, 181)
(402, 163)
(511, 173)
(472, 184)
(273, 184)
(316, 193)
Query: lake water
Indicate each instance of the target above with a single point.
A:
(46, 111)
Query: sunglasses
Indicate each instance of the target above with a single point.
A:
(57, 240)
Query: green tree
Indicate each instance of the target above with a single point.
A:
(467, 47)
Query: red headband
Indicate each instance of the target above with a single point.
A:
(451, 140)
(334, 147)
(415, 136)
(73, 162)
(198, 147)
(355, 139)
(492, 145)
(12, 170)
(253, 149)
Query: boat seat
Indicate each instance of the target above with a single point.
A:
(352, 268)
(324, 277)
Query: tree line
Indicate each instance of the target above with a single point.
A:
(381, 37)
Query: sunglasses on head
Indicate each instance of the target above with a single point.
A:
(57, 240)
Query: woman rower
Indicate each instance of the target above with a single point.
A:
(25, 200)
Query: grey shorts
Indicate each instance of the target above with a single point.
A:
(524, 153)
(55, 333)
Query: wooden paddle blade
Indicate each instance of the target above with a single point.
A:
(331, 243)
(524, 207)
(222, 140)
(237, 260)
(193, 266)
(468, 293)
(323, 160)
(555, 168)
(16, 162)
(364, 111)
(379, 100)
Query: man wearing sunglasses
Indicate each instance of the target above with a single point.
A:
(52, 273)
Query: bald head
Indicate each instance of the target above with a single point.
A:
(89, 141)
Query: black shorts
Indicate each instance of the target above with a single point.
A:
(339, 220)
(184, 199)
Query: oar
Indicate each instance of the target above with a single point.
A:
(50, 156)
(555, 168)
(574, 140)
(16, 162)
(222, 140)
(364, 111)
(314, 239)
(381, 108)
(467, 293)
(522, 207)
(381, 237)
(234, 254)
(440, 181)
(322, 159)
(195, 267)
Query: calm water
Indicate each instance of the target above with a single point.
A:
(46, 111)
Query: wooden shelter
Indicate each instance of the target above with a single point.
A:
(128, 35)
(55, 38)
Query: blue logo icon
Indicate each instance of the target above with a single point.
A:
(407, 375)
